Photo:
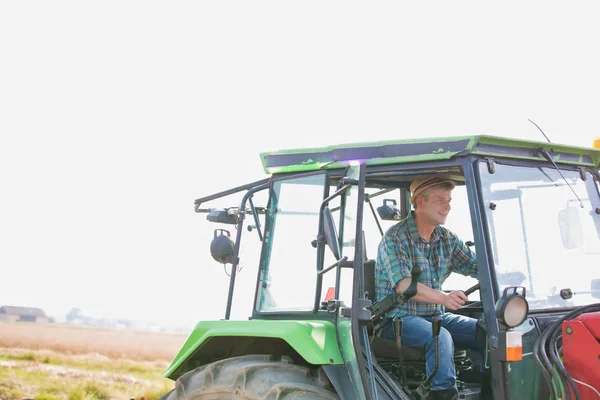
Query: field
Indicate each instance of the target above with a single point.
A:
(53, 361)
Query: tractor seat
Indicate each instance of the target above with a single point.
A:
(384, 349)
(387, 349)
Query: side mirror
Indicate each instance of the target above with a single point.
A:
(571, 231)
(222, 247)
(331, 236)
(514, 278)
(389, 211)
(596, 288)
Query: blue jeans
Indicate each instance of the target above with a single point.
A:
(416, 332)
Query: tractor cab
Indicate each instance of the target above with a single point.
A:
(528, 211)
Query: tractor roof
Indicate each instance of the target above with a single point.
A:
(417, 150)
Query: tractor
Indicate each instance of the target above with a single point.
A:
(530, 211)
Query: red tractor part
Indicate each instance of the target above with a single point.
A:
(581, 353)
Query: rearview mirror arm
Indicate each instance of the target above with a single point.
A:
(215, 196)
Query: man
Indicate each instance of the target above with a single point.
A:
(421, 240)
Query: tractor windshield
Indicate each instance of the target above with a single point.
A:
(544, 231)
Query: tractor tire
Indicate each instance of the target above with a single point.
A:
(253, 377)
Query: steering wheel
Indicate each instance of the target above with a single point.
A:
(475, 304)
(472, 289)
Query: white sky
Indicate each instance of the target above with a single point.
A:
(116, 115)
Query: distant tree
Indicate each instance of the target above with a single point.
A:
(74, 314)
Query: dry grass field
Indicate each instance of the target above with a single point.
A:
(53, 361)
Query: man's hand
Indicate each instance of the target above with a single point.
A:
(454, 300)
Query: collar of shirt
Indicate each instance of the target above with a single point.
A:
(413, 232)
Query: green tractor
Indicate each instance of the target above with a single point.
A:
(529, 210)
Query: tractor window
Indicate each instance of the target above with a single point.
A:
(288, 276)
(544, 233)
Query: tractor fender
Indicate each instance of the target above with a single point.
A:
(313, 341)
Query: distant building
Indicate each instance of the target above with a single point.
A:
(23, 314)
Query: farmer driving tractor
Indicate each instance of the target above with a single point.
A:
(421, 240)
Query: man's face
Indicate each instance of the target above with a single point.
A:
(435, 206)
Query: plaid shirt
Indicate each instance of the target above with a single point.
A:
(445, 253)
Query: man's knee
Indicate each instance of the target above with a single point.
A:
(445, 344)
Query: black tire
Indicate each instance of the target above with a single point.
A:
(253, 377)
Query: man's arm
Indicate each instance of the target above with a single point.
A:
(452, 301)
(463, 259)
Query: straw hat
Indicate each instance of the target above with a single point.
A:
(425, 182)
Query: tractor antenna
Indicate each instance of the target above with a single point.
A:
(536, 125)
(547, 156)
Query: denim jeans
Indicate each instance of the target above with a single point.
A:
(416, 332)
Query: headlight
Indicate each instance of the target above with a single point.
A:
(512, 308)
